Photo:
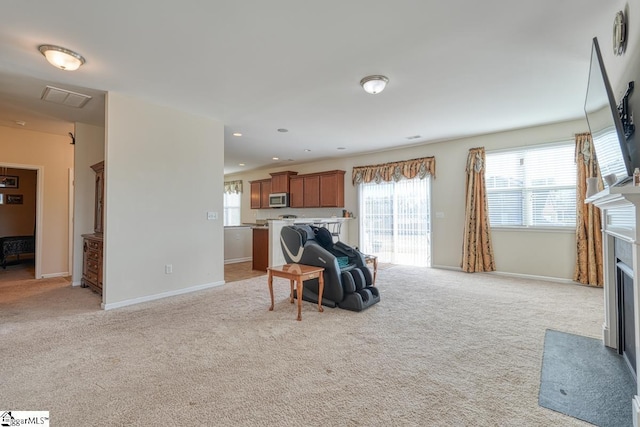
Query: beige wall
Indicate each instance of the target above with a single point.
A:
(549, 254)
(163, 173)
(54, 156)
(89, 150)
(538, 253)
(19, 220)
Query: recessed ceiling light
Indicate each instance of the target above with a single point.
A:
(283, 130)
(289, 160)
(237, 134)
(307, 150)
(341, 148)
(240, 164)
(413, 137)
(61, 57)
(276, 158)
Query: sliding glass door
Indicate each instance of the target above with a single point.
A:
(395, 221)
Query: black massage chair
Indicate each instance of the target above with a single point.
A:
(347, 279)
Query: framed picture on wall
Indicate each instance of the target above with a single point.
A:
(13, 199)
(8, 181)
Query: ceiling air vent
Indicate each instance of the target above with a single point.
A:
(64, 97)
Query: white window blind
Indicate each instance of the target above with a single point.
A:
(532, 186)
(231, 206)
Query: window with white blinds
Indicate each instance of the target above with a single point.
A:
(532, 186)
(231, 206)
(395, 221)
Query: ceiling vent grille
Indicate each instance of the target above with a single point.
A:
(64, 97)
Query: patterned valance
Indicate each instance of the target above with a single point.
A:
(395, 171)
(233, 186)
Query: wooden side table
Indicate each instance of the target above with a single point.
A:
(297, 273)
(372, 259)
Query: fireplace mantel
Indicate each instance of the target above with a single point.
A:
(620, 208)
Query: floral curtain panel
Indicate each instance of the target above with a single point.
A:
(395, 171)
(589, 269)
(233, 187)
(477, 250)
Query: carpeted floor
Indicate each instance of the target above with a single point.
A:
(442, 348)
(583, 378)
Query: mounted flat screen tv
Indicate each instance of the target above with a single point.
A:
(604, 122)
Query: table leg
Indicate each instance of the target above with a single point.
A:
(270, 281)
(320, 291)
(291, 294)
(375, 270)
(299, 290)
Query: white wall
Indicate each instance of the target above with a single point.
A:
(53, 154)
(89, 150)
(550, 254)
(163, 173)
(238, 244)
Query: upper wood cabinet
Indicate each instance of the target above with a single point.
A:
(296, 192)
(315, 190)
(260, 191)
(312, 190)
(280, 181)
(332, 189)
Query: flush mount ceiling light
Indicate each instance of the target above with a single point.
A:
(62, 58)
(374, 84)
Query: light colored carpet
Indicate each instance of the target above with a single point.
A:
(442, 348)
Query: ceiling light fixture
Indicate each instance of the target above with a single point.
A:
(374, 84)
(62, 58)
(237, 134)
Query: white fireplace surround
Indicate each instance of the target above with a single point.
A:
(620, 208)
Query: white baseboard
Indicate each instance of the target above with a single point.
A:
(148, 298)
(519, 275)
(51, 275)
(237, 260)
(76, 283)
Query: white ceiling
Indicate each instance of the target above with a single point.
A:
(456, 68)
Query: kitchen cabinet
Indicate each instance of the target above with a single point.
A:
(332, 189)
(280, 181)
(322, 189)
(260, 250)
(311, 192)
(260, 191)
(296, 192)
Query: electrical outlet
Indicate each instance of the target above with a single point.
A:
(168, 269)
(212, 215)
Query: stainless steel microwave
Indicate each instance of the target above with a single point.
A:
(279, 200)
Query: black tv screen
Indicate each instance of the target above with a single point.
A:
(604, 122)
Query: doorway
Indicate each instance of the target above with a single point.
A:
(395, 221)
(21, 214)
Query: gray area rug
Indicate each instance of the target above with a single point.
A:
(586, 380)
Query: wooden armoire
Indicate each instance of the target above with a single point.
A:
(92, 243)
